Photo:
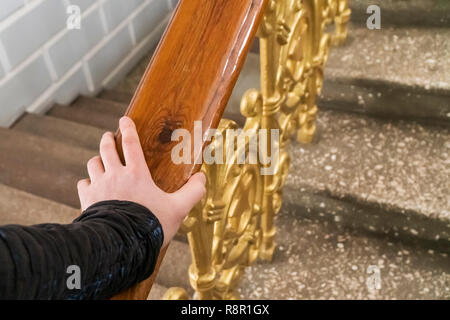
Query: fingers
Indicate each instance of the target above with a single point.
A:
(95, 168)
(193, 191)
(132, 150)
(108, 152)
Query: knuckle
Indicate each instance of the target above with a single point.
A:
(107, 138)
(129, 140)
(93, 160)
(81, 183)
(106, 144)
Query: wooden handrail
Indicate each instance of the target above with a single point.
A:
(190, 77)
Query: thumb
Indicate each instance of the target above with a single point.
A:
(193, 191)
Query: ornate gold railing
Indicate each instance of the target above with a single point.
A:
(234, 224)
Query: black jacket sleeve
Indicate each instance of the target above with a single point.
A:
(113, 245)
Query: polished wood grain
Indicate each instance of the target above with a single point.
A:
(190, 78)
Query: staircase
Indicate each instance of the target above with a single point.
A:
(373, 189)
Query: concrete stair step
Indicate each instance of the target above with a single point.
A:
(41, 166)
(317, 260)
(378, 174)
(372, 74)
(104, 121)
(388, 176)
(404, 13)
(19, 207)
(393, 72)
(116, 96)
(100, 105)
(60, 130)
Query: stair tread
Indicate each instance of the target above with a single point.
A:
(414, 195)
(415, 57)
(100, 105)
(60, 130)
(316, 260)
(19, 207)
(401, 164)
(41, 166)
(85, 116)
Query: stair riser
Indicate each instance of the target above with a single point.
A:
(387, 100)
(18, 207)
(59, 130)
(88, 117)
(42, 167)
(52, 182)
(371, 218)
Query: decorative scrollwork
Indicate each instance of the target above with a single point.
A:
(234, 225)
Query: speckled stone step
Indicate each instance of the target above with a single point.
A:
(404, 13)
(320, 260)
(41, 166)
(381, 175)
(60, 130)
(19, 207)
(392, 72)
(378, 174)
(384, 176)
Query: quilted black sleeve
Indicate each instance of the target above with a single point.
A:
(111, 246)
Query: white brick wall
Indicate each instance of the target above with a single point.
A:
(42, 62)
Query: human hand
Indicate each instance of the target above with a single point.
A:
(111, 180)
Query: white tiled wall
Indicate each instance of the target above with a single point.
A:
(43, 62)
